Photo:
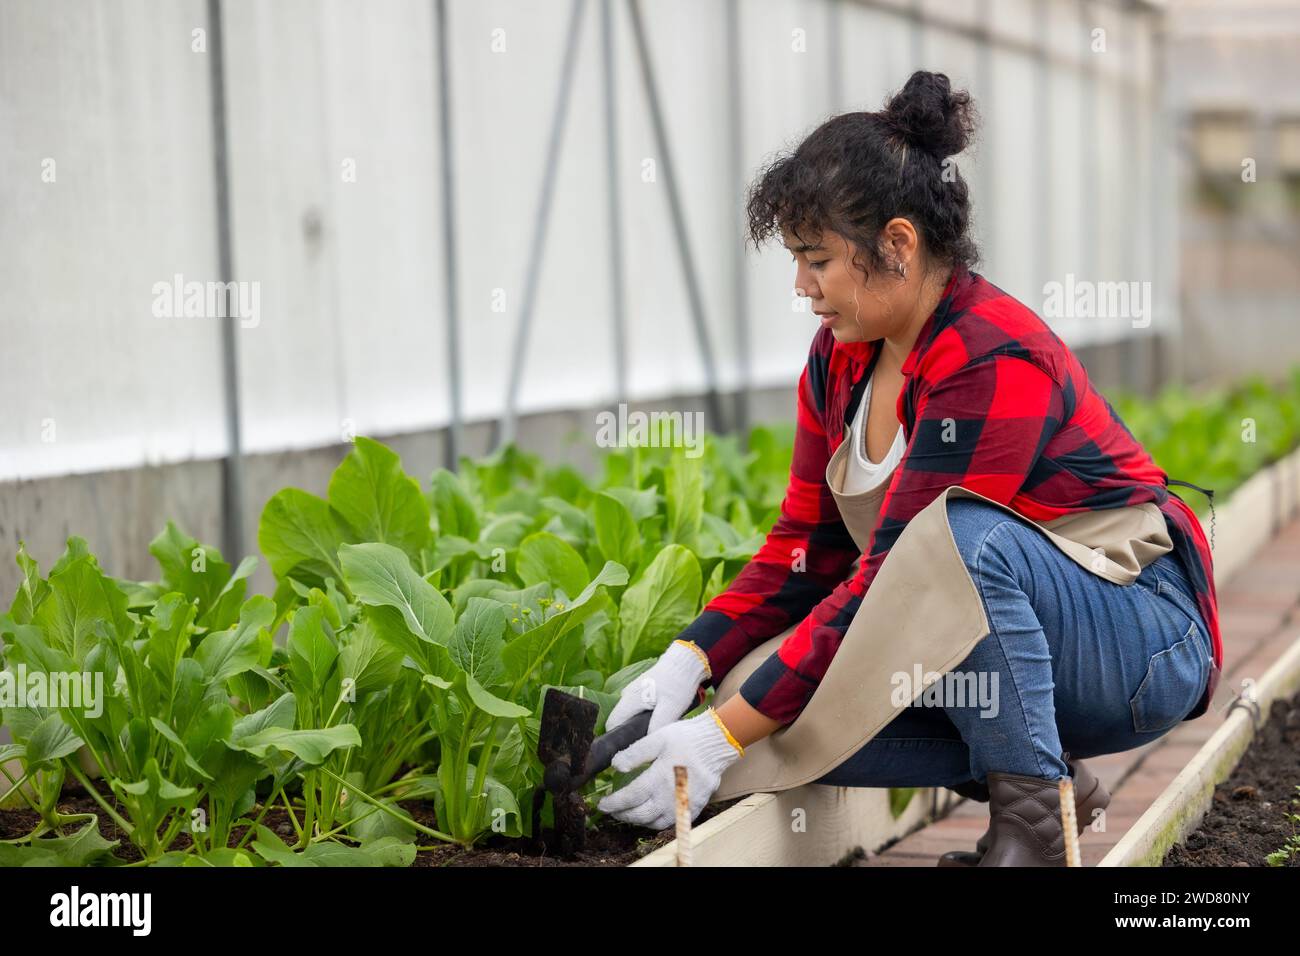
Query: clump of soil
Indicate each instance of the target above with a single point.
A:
(611, 843)
(1247, 819)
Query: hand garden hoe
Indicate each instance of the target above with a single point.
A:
(564, 742)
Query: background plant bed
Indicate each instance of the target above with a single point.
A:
(1248, 816)
(610, 843)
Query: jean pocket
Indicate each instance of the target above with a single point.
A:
(1174, 682)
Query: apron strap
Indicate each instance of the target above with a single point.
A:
(1209, 494)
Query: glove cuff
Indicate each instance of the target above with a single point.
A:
(704, 658)
(732, 750)
(681, 660)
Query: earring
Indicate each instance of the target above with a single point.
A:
(902, 269)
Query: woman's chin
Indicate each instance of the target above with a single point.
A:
(846, 335)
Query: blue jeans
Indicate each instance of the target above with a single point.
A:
(1072, 662)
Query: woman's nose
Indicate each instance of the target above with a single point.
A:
(804, 285)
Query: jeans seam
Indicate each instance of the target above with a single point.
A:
(1171, 593)
(1020, 708)
(1165, 586)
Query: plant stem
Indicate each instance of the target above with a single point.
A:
(344, 826)
(393, 813)
(484, 761)
(16, 786)
(338, 794)
(293, 818)
(126, 828)
(459, 762)
(253, 827)
(177, 822)
(309, 807)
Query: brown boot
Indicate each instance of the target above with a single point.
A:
(1090, 795)
(1025, 820)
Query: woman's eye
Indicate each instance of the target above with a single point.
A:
(816, 265)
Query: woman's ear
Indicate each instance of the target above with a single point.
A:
(900, 240)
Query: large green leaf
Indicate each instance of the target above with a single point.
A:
(210, 739)
(230, 652)
(80, 597)
(477, 641)
(225, 607)
(76, 548)
(193, 569)
(661, 604)
(685, 493)
(32, 590)
(368, 661)
(312, 652)
(299, 530)
(51, 741)
(485, 700)
(616, 531)
(78, 849)
(178, 746)
(452, 507)
(523, 655)
(378, 499)
(152, 795)
(380, 574)
(544, 557)
(386, 851)
(171, 622)
(309, 746)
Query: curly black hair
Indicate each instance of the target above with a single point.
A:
(857, 171)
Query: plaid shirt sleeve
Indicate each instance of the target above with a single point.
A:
(983, 426)
(806, 554)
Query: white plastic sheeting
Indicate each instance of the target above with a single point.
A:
(336, 202)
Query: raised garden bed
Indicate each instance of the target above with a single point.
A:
(613, 843)
(399, 667)
(1254, 815)
(463, 603)
(1180, 809)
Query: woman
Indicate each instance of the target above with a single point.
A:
(952, 395)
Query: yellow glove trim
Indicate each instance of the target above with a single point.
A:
(730, 739)
(708, 671)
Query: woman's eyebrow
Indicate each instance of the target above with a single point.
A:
(805, 248)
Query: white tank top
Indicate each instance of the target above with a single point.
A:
(861, 474)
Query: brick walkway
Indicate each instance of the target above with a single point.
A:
(1258, 611)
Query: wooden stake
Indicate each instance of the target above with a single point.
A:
(683, 817)
(1069, 826)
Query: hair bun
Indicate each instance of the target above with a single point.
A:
(928, 115)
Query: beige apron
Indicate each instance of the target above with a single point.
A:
(922, 608)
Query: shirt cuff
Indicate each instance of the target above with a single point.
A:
(777, 691)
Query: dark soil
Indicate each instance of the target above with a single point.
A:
(1247, 819)
(611, 843)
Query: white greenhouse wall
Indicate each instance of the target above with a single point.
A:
(352, 327)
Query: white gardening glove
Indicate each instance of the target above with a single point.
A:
(669, 688)
(701, 745)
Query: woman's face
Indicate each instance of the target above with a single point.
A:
(856, 310)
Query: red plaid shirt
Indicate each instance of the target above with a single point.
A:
(992, 400)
